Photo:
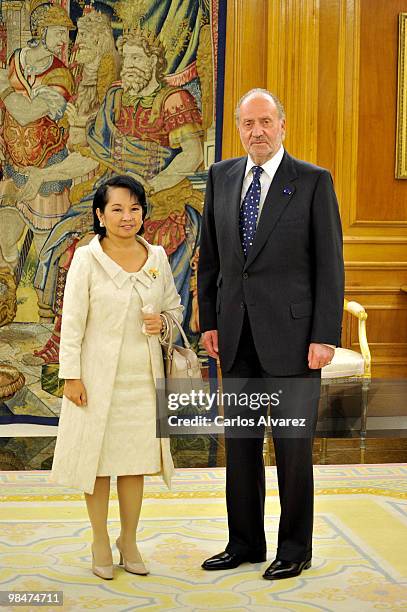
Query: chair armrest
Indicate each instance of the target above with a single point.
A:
(357, 310)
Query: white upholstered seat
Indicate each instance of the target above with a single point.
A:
(345, 363)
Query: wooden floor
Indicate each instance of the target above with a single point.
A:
(333, 451)
(346, 451)
(36, 452)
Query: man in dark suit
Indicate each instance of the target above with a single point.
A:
(270, 287)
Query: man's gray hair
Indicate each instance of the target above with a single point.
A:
(263, 92)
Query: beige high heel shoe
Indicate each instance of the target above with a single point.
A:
(103, 571)
(133, 568)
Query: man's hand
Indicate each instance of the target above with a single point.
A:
(36, 177)
(319, 355)
(74, 118)
(75, 391)
(210, 342)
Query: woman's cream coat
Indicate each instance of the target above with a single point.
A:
(96, 302)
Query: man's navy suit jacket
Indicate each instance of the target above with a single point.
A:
(292, 282)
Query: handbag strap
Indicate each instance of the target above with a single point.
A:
(175, 322)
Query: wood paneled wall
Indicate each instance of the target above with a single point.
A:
(333, 63)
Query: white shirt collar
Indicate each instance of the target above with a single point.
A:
(270, 167)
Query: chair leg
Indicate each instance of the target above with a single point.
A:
(363, 418)
(325, 388)
(267, 447)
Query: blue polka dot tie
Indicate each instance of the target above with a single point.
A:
(249, 211)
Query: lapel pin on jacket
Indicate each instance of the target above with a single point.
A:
(287, 191)
(154, 272)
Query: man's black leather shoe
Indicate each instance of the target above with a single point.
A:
(225, 561)
(285, 569)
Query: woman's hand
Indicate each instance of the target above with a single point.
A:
(75, 391)
(153, 323)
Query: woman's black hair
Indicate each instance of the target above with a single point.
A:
(101, 198)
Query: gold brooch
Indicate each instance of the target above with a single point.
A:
(153, 272)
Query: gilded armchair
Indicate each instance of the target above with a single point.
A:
(350, 366)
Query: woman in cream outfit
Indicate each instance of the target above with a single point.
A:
(110, 358)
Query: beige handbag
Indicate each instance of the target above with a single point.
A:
(181, 363)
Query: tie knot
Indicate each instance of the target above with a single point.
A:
(257, 170)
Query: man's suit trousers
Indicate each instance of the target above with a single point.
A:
(245, 475)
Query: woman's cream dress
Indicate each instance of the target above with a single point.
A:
(130, 445)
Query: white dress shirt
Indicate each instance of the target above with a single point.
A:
(269, 170)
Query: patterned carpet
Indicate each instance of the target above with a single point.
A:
(359, 563)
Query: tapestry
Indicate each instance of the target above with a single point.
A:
(90, 89)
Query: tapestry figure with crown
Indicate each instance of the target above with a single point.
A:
(89, 89)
